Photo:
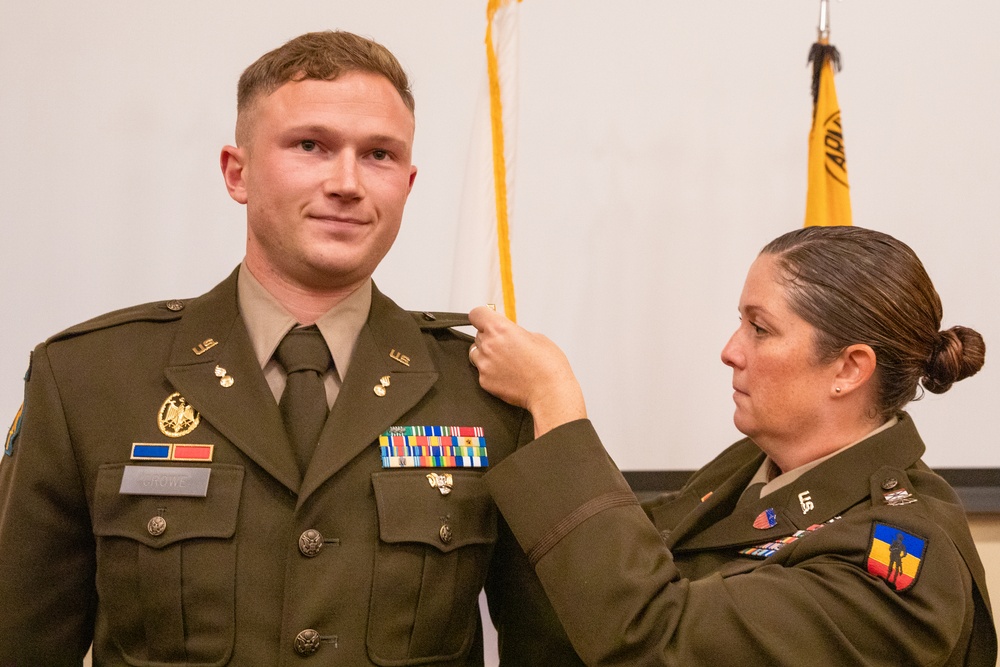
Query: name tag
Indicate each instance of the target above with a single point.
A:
(164, 481)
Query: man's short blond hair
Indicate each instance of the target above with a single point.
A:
(324, 56)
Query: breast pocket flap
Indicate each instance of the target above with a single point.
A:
(414, 508)
(161, 520)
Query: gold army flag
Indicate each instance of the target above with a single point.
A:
(828, 199)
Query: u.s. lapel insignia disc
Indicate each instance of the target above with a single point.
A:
(895, 555)
(806, 502)
(400, 357)
(204, 346)
(176, 417)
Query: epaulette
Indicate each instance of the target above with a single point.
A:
(893, 487)
(443, 324)
(429, 321)
(155, 311)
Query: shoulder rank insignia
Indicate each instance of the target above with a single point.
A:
(895, 555)
(433, 447)
(176, 417)
(899, 497)
(15, 428)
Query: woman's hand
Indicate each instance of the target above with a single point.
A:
(525, 369)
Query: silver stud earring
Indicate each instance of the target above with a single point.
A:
(837, 389)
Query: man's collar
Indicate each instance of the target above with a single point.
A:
(267, 321)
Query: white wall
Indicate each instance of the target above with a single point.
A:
(661, 145)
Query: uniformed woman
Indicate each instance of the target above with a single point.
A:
(820, 538)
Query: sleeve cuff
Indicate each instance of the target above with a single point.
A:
(554, 483)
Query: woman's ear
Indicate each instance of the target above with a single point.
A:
(855, 367)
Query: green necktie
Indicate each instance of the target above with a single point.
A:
(306, 359)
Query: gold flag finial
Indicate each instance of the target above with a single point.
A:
(824, 21)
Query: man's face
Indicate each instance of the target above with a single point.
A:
(324, 172)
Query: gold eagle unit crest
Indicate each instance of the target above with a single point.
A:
(176, 417)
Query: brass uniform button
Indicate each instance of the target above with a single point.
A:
(310, 543)
(889, 483)
(175, 305)
(157, 526)
(307, 642)
(445, 533)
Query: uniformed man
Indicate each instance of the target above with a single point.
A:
(165, 493)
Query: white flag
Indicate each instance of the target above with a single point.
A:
(482, 266)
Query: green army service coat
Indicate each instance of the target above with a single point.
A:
(864, 560)
(352, 564)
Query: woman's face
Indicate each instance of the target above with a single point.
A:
(780, 388)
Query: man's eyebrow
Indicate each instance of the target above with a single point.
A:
(386, 139)
(311, 128)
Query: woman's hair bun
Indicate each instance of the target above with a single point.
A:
(960, 353)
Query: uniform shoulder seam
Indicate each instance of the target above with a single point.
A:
(154, 311)
(428, 320)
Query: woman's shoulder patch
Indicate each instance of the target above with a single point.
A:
(895, 555)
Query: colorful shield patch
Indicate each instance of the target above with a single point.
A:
(895, 555)
(766, 519)
(15, 428)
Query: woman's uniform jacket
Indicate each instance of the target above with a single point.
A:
(864, 560)
(351, 564)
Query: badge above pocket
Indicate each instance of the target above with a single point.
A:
(434, 447)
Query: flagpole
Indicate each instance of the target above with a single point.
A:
(821, 51)
(824, 21)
